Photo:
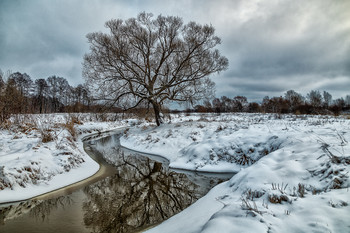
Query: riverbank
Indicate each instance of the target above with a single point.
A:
(293, 171)
(43, 153)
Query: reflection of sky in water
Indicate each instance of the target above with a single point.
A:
(141, 192)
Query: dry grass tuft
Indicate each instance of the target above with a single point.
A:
(69, 126)
(278, 199)
(281, 188)
(250, 207)
(46, 135)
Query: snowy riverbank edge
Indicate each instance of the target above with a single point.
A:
(299, 184)
(23, 156)
(293, 176)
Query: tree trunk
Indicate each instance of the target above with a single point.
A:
(156, 108)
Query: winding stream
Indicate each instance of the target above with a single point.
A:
(131, 193)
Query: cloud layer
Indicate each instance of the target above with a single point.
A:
(272, 46)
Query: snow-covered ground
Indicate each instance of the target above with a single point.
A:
(293, 171)
(41, 153)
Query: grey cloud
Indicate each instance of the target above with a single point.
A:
(296, 45)
(272, 46)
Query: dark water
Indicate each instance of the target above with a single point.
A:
(136, 191)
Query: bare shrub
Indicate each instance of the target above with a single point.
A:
(278, 199)
(6, 124)
(338, 205)
(301, 190)
(251, 194)
(75, 118)
(281, 188)
(333, 170)
(4, 181)
(250, 207)
(69, 125)
(46, 135)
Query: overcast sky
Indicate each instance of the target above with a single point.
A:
(272, 46)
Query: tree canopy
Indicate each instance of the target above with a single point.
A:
(152, 61)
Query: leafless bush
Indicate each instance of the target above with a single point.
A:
(69, 125)
(278, 199)
(301, 190)
(251, 194)
(248, 202)
(46, 136)
(281, 188)
(6, 124)
(4, 181)
(338, 205)
(74, 118)
(250, 207)
(333, 170)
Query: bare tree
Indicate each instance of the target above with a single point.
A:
(294, 98)
(53, 89)
(207, 104)
(153, 61)
(347, 100)
(10, 101)
(41, 93)
(240, 103)
(63, 90)
(217, 105)
(226, 104)
(265, 104)
(23, 82)
(327, 99)
(315, 98)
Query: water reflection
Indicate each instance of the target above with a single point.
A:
(137, 193)
(141, 193)
(37, 209)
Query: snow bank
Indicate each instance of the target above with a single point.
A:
(42, 153)
(293, 171)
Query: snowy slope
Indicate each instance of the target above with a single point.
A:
(30, 167)
(293, 172)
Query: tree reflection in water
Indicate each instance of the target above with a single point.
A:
(138, 192)
(37, 209)
(141, 193)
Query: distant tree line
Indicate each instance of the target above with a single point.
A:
(315, 102)
(20, 94)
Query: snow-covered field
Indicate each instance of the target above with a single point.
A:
(41, 153)
(293, 171)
